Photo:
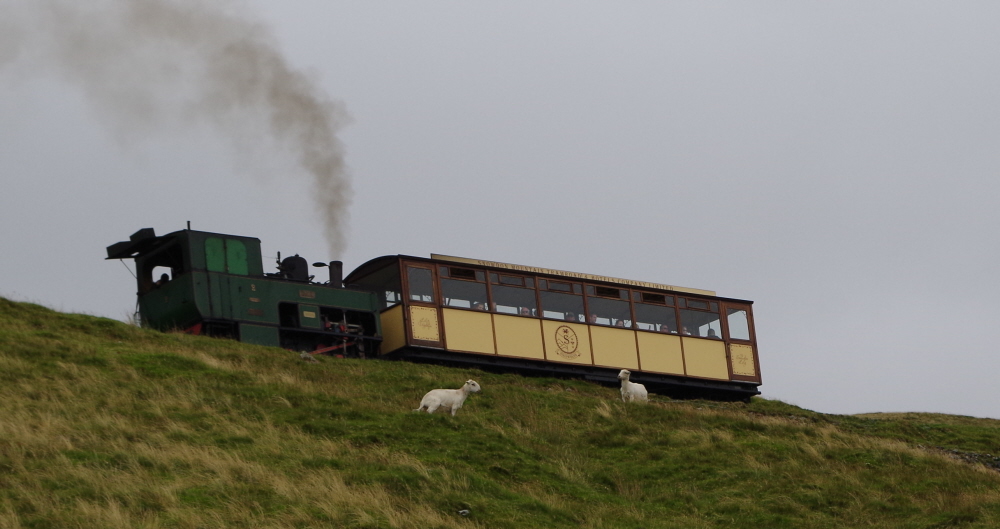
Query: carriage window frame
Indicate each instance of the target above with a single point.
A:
(527, 285)
(608, 320)
(460, 272)
(511, 280)
(409, 285)
(649, 298)
(748, 318)
(598, 291)
(386, 282)
(575, 289)
(701, 306)
(697, 304)
(673, 323)
(447, 274)
(563, 286)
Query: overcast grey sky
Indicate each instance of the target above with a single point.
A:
(835, 162)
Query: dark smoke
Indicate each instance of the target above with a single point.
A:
(156, 65)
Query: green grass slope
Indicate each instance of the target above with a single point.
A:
(106, 425)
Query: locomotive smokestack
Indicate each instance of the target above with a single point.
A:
(337, 274)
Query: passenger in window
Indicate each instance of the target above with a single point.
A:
(164, 279)
(620, 323)
(665, 328)
(525, 311)
(711, 334)
(593, 319)
(570, 316)
(479, 306)
(685, 331)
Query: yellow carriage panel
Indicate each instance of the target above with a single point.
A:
(743, 361)
(614, 347)
(393, 330)
(424, 324)
(520, 337)
(661, 353)
(465, 330)
(705, 358)
(566, 342)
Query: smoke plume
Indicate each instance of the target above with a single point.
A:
(154, 65)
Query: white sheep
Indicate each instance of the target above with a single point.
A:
(308, 357)
(631, 391)
(447, 398)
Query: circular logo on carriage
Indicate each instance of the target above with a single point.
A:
(567, 342)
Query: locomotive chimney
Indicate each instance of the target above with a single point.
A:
(337, 274)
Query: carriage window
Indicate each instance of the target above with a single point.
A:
(607, 292)
(558, 285)
(392, 297)
(696, 304)
(612, 312)
(514, 300)
(739, 325)
(559, 306)
(463, 273)
(463, 294)
(702, 324)
(421, 284)
(511, 280)
(655, 318)
(646, 297)
(385, 283)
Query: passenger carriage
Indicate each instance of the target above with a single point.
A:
(677, 341)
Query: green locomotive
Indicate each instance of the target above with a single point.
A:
(215, 284)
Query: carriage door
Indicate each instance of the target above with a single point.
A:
(424, 323)
(742, 347)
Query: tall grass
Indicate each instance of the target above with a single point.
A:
(103, 424)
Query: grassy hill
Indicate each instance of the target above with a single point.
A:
(106, 425)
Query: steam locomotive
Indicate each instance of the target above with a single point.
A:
(451, 310)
